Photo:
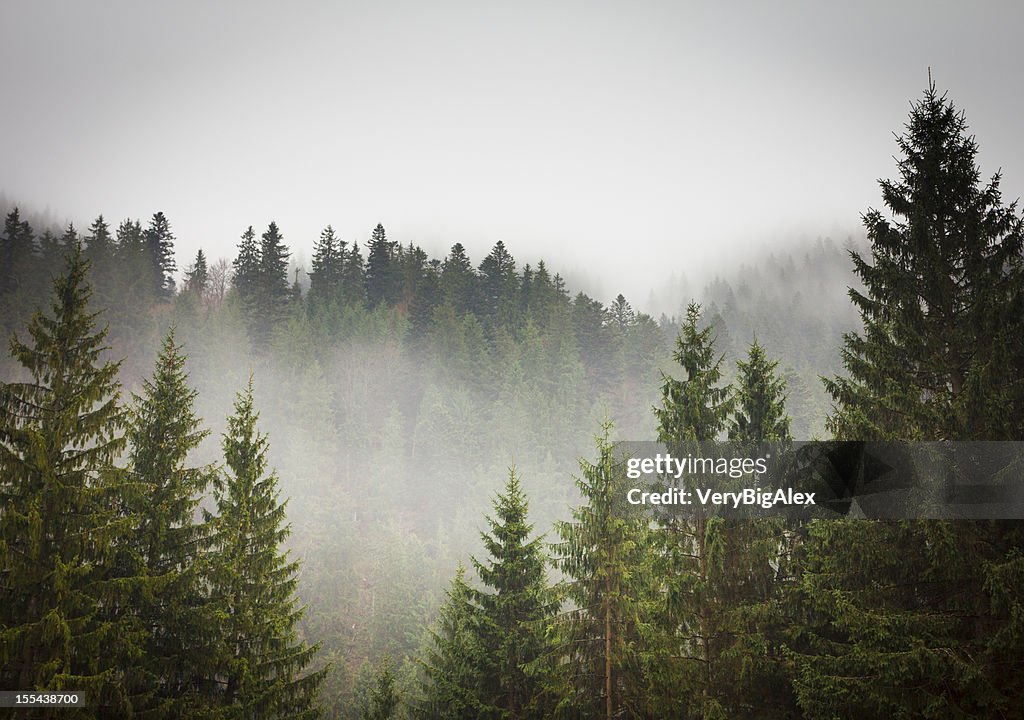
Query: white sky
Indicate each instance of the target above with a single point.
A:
(623, 141)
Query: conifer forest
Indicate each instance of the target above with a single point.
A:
(381, 484)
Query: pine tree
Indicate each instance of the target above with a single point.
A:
(354, 277)
(328, 265)
(246, 265)
(943, 293)
(598, 668)
(272, 284)
(383, 700)
(695, 547)
(159, 244)
(169, 546)
(696, 408)
(260, 660)
(380, 271)
(197, 277)
(458, 279)
(760, 414)
(515, 608)
(912, 618)
(497, 285)
(453, 661)
(60, 524)
(16, 250)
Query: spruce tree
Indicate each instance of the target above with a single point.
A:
(169, 547)
(380, 273)
(260, 661)
(599, 668)
(159, 246)
(326, 277)
(943, 292)
(910, 618)
(454, 659)
(458, 279)
(497, 285)
(273, 290)
(197, 277)
(246, 266)
(61, 522)
(515, 608)
(760, 413)
(695, 410)
(353, 276)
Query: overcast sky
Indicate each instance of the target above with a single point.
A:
(616, 139)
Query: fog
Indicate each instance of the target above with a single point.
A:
(620, 142)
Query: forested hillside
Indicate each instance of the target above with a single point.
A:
(406, 416)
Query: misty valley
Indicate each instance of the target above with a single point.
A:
(382, 486)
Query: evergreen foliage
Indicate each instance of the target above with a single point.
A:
(260, 661)
(514, 609)
(60, 524)
(598, 669)
(169, 547)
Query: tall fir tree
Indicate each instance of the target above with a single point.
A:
(159, 245)
(260, 661)
(325, 279)
(760, 401)
(246, 267)
(696, 546)
(197, 277)
(273, 291)
(912, 618)
(453, 660)
(943, 291)
(169, 546)
(380, 269)
(599, 667)
(516, 608)
(497, 286)
(61, 522)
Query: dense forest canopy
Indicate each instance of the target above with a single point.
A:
(276, 471)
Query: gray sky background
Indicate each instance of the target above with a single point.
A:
(621, 140)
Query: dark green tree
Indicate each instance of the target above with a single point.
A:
(169, 546)
(599, 666)
(246, 266)
(760, 401)
(159, 247)
(942, 300)
(516, 608)
(60, 521)
(497, 286)
(260, 661)
(454, 658)
(197, 277)
(353, 276)
(381, 275)
(273, 291)
(458, 279)
(913, 618)
(328, 264)
(383, 698)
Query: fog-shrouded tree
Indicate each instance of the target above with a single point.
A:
(169, 545)
(260, 663)
(381, 270)
(197, 276)
(60, 523)
(515, 609)
(598, 667)
(453, 661)
(325, 279)
(159, 247)
(914, 618)
(246, 266)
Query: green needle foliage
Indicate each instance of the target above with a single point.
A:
(452, 664)
(169, 546)
(599, 667)
(60, 524)
(514, 609)
(914, 619)
(260, 659)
